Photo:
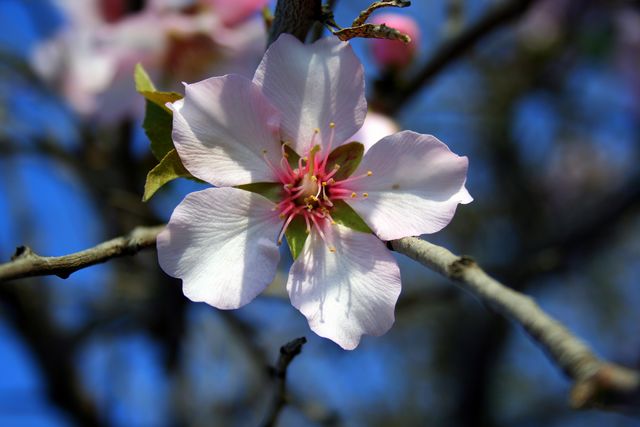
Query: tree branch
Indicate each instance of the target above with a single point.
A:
(26, 263)
(287, 353)
(451, 50)
(597, 383)
(294, 17)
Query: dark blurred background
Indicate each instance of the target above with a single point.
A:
(547, 108)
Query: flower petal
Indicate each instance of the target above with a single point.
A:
(312, 86)
(222, 243)
(416, 185)
(349, 292)
(222, 128)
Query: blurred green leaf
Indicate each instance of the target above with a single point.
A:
(158, 124)
(146, 88)
(169, 168)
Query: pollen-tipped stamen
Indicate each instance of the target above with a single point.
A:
(278, 172)
(335, 170)
(321, 234)
(285, 226)
(354, 178)
(332, 134)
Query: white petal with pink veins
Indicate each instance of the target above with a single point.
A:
(312, 86)
(222, 243)
(415, 187)
(222, 129)
(349, 292)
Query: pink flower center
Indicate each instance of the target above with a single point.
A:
(311, 189)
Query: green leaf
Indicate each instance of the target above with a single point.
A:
(344, 214)
(146, 88)
(296, 235)
(271, 190)
(348, 156)
(157, 125)
(143, 81)
(169, 168)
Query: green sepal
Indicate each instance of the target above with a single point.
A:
(271, 190)
(169, 168)
(344, 214)
(348, 156)
(146, 88)
(291, 155)
(296, 235)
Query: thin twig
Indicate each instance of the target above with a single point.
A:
(453, 49)
(287, 353)
(26, 263)
(597, 383)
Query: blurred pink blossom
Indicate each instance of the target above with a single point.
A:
(394, 53)
(230, 131)
(375, 127)
(92, 58)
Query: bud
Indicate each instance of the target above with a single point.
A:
(394, 53)
(375, 127)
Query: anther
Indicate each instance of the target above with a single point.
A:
(369, 173)
(332, 125)
(332, 249)
(354, 195)
(365, 195)
(316, 130)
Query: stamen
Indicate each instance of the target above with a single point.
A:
(355, 178)
(284, 163)
(279, 174)
(332, 134)
(283, 214)
(306, 219)
(312, 165)
(322, 236)
(285, 226)
(336, 167)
